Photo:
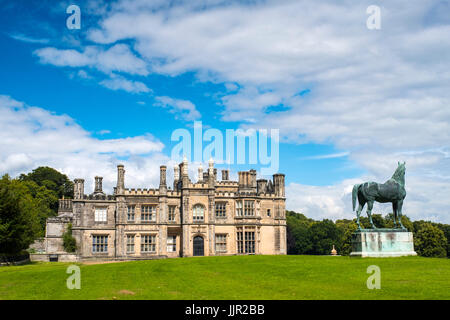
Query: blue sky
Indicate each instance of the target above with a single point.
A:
(349, 102)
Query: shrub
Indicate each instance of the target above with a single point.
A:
(69, 242)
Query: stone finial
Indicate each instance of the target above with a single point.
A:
(200, 173)
(176, 172)
(333, 251)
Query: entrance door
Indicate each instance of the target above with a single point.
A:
(198, 246)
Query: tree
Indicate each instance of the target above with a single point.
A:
(69, 242)
(324, 234)
(298, 241)
(405, 221)
(446, 229)
(347, 228)
(430, 241)
(51, 179)
(47, 199)
(19, 216)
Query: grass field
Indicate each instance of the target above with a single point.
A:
(235, 277)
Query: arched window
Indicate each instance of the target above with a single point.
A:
(198, 213)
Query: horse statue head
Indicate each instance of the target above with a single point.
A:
(399, 174)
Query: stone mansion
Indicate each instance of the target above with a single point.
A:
(203, 218)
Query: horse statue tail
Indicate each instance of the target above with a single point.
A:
(354, 194)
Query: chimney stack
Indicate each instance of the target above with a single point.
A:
(162, 179)
(78, 190)
(261, 185)
(278, 184)
(98, 185)
(225, 175)
(120, 179)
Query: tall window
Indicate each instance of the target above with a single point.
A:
(148, 213)
(221, 210)
(239, 208)
(172, 213)
(148, 243)
(249, 209)
(198, 213)
(172, 244)
(130, 243)
(130, 213)
(221, 243)
(268, 213)
(246, 241)
(100, 215)
(99, 244)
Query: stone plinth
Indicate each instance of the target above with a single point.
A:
(382, 243)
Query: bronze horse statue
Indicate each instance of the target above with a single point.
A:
(392, 190)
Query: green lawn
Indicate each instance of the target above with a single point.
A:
(235, 277)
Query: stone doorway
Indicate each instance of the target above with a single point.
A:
(199, 248)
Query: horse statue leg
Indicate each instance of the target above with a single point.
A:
(399, 213)
(369, 212)
(358, 213)
(395, 212)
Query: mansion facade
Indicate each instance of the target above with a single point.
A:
(203, 218)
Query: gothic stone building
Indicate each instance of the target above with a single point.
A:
(209, 217)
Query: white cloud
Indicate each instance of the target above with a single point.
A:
(25, 38)
(32, 137)
(182, 108)
(117, 58)
(120, 83)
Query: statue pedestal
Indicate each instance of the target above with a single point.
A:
(382, 243)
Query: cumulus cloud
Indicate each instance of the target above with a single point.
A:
(116, 58)
(120, 83)
(181, 108)
(32, 137)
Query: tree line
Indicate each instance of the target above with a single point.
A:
(308, 236)
(25, 204)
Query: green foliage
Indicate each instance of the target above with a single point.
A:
(297, 233)
(389, 222)
(50, 179)
(19, 216)
(324, 234)
(430, 241)
(69, 242)
(347, 228)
